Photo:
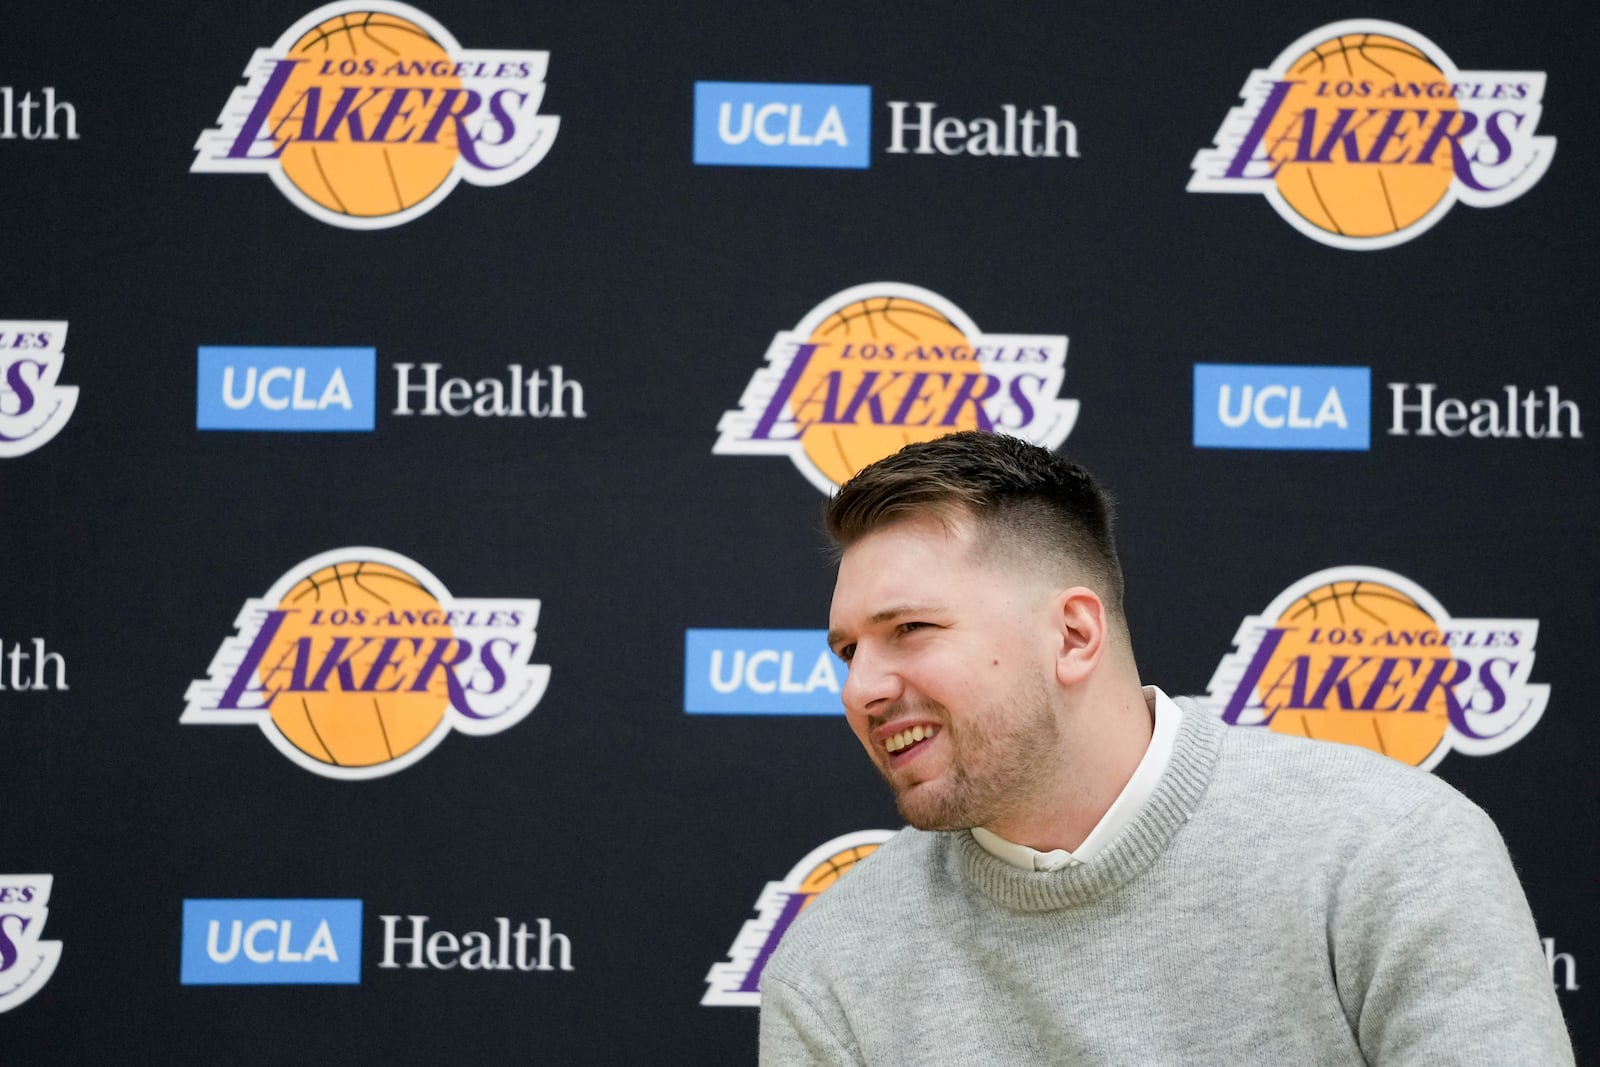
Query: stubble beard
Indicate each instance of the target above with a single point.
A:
(999, 763)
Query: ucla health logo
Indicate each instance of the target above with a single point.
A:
(17, 115)
(262, 388)
(1257, 406)
(760, 672)
(271, 942)
(26, 960)
(875, 367)
(366, 114)
(737, 983)
(1362, 134)
(34, 668)
(1370, 658)
(1563, 967)
(358, 662)
(771, 124)
(522, 949)
(33, 407)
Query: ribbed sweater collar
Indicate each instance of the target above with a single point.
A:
(1194, 757)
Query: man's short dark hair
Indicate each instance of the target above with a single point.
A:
(1027, 502)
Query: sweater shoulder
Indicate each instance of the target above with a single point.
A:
(1363, 789)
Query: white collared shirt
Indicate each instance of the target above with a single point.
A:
(1123, 810)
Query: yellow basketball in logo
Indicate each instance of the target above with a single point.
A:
(337, 626)
(1362, 197)
(853, 373)
(834, 867)
(1330, 631)
(341, 65)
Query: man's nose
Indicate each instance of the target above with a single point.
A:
(872, 681)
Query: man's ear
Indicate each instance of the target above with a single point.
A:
(1083, 632)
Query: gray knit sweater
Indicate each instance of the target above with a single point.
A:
(1277, 901)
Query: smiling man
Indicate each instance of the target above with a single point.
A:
(1095, 873)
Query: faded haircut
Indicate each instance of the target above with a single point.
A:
(1028, 503)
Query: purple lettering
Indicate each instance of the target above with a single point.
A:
(497, 674)
(828, 386)
(1381, 681)
(1442, 132)
(1340, 133)
(1019, 396)
(1497, 693)
(1390, 131)
(15, 383)
(381, 663)
(469, 103)
(337, 661)
(965, 395)
(1459, 673)
(914, 396)
(870, 396)
(780, 925)
(250, 131)
(1300, 667)
(780, 396)
(1336, 677)
(440, 659)
(1258, 130)
(252, 660)
(1252, 674)
(392, 112)
(345, 112)
(8, 947)
(1497, 135)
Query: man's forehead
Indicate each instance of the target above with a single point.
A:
(923, 550)
(957, 530)
(909, 560)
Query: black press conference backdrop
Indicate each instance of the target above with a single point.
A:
(395, 477)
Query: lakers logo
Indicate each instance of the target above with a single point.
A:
(1363, 134)
(367, 114)
(1367, 657)
(358, 662)
(876, 367)
(34, 405)
(27, 961)
(738, 982)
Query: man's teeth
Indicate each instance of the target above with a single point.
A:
(909, 737)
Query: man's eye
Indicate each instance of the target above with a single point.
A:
(846, 652)
(907, 627)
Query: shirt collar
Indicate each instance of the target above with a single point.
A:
(1124, 809)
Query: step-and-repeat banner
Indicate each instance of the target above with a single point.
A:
(415, 422)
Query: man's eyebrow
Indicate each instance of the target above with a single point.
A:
(886, 615)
